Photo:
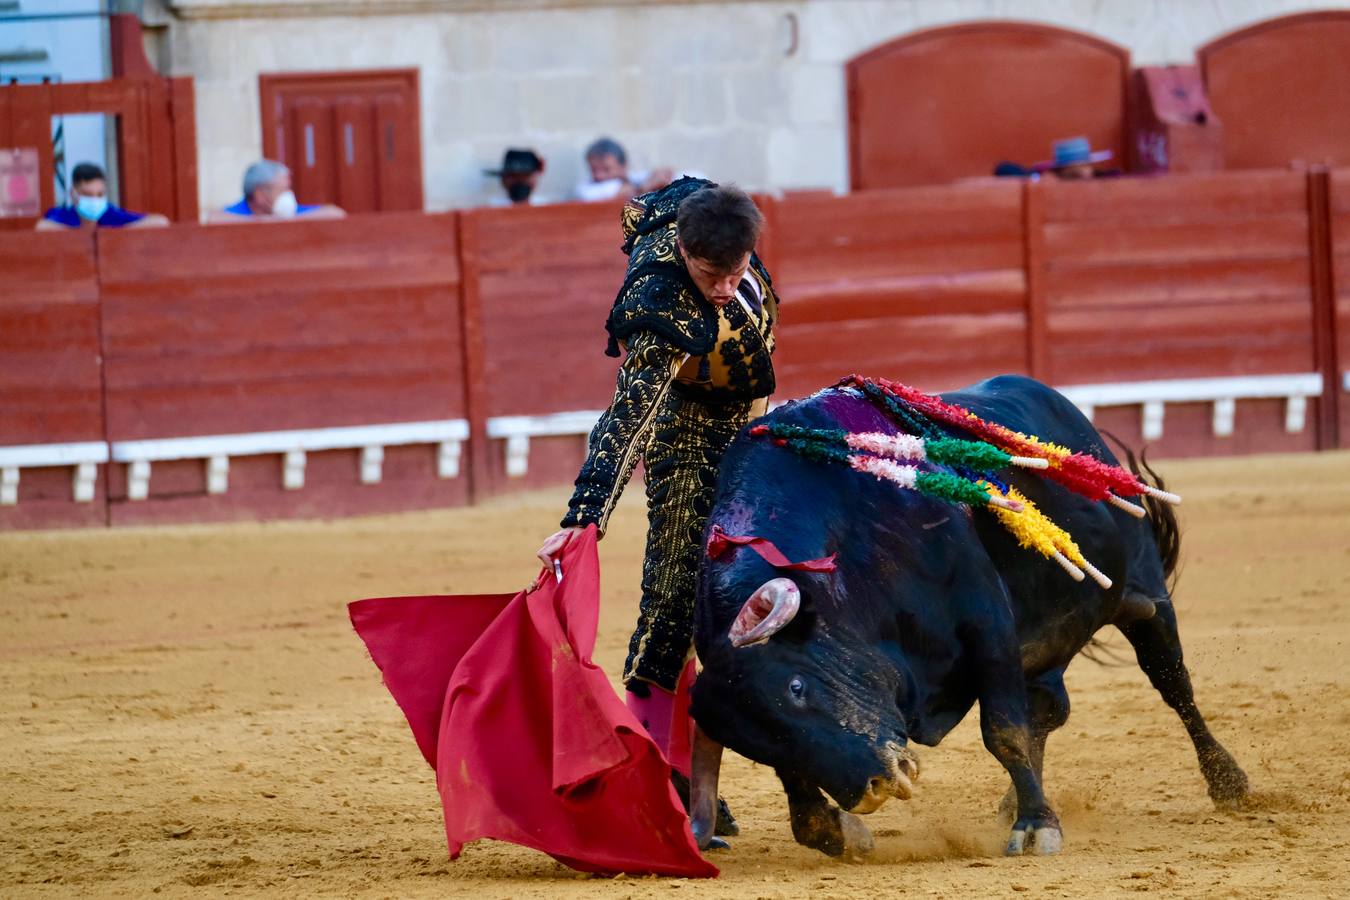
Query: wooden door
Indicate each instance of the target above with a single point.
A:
(1282, 89)
(952, 102)
(350, 138)
(156, 146)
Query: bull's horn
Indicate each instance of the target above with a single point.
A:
(705, 765)
(767, 611)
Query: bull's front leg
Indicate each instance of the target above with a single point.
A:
(1005, 726)
(1008, 737)
(819, 824)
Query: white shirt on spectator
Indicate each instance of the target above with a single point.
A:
(536, 199)
(590, 191)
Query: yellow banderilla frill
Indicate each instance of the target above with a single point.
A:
(1034, 530)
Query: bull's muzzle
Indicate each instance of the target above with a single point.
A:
(902, 770)
(769, 609)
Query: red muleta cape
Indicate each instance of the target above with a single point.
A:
(529, 741)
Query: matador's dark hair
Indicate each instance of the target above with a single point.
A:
(719, 224)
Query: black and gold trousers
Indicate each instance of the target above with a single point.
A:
(681, 460)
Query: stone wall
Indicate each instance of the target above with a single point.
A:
(750, 91)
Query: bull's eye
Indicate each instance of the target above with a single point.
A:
(797, 688)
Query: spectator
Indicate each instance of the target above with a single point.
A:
(611, 177)
(89, 206)
(1007, 169)
(520, 173)
(268, 196)
(1075, 159)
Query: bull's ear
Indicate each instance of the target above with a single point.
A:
(770, 608)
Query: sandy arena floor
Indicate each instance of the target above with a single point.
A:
(186, 708)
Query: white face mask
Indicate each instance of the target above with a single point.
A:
(284, 206)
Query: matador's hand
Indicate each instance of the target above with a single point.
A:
(553, 546)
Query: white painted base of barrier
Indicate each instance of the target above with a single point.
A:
(84, 456)
(1223, 393)
(292, 446)
(450, 434)
(1151, 396)
(517, 430)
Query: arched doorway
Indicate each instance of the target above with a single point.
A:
(1282, 90)
(952, 102)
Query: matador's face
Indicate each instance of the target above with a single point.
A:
(718, 285)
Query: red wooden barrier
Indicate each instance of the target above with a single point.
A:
(539, 286)
(50, 391)
(215, 336)
(924, 285)
(1338, 322)
(230, 330)
(1180, 277)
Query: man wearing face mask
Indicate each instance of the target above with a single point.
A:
(89, 206)
(268, 197)
(519, 175)
(696, 315)
(611, 177)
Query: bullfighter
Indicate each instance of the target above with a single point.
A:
(696, 314)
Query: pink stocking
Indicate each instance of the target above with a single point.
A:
(666, 718)
(682, 726)
(655, 712)
(665, 715)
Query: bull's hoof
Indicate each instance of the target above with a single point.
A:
(706, 841)
(1228, 786)
(858, 840)
(1040, 838)
(1230, 794)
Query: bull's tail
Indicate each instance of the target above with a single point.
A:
(1162, 516)
(1162, 520)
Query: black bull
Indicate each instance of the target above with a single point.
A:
(931, 609)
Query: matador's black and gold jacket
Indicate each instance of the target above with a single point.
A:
(680, 346)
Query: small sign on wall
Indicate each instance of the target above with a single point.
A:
(19, 194)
